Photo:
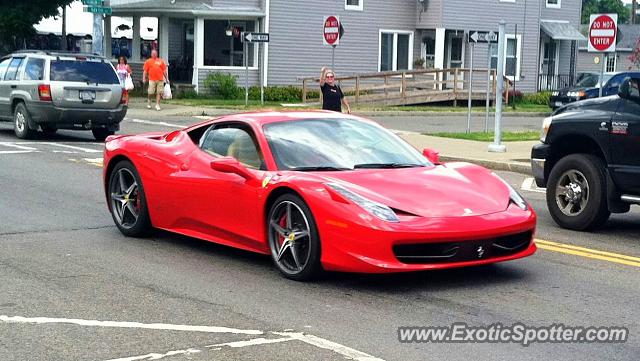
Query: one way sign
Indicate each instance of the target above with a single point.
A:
(256, 37)
(483, 37)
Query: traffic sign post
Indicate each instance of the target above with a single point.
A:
(470, 88)
(248, 37)
(489, 37)
(497, 145)
(603, 32)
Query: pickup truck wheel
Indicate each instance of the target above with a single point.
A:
(576, 192)
(101, 134)
(21, 120)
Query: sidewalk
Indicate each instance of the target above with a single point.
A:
(515, 159)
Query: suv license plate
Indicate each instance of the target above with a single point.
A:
(559, 104)
(87, 94)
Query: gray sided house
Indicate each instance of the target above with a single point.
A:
(628, 36)
(379, 35)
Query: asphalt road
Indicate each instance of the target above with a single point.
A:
(85, 292)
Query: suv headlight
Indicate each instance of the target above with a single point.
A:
(514, 196)
(380, 211)
(546, 124)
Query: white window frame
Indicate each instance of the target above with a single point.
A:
(256, 56)
(394, 64)
(518, 39)
(359, 7)
(610, 56)
(554, 6)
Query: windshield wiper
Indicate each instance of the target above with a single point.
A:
(318, 169)
(385, 165)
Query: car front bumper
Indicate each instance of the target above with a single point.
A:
(539, 155)
(419, 244)
(46, 114)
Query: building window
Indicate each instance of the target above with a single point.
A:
(396, 50)
(354, 5)
(222, 50)
(611, 63)
(511, 55)
(556, 4)
(429, 51)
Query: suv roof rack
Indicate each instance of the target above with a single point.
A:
(57, 53)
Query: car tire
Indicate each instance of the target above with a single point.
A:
(296, 258)
(21, 120)
(101, 133)
(577, 192)
(127, 201)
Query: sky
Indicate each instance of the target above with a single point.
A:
(82, 23)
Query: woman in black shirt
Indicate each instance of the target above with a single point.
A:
(332, 96)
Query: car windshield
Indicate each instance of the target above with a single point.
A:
(591, 81)
(338, 144)
(92, 72)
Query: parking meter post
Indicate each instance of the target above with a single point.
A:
(497, 146)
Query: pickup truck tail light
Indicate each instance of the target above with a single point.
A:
(125, 97)
(44, 92)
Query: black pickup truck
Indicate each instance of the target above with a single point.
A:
(589, 159)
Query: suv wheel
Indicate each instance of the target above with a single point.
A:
(576, 192)
(101, 133)
(21, 120)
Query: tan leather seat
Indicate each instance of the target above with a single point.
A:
(244, 150)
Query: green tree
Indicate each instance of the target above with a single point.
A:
(17, 17)
(605, 6)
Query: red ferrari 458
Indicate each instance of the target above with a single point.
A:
(316, 191)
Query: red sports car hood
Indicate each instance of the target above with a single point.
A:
(453, 190)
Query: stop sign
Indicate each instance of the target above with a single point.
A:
(602, 32)
(331, 30)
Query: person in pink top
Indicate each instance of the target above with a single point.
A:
(123, 69)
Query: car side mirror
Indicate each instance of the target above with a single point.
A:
(231, 165)
(624, 90)
(431, 155)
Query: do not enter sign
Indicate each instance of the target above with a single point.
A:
(603, 30)
(331, 30)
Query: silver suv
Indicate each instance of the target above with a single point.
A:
(48, 91)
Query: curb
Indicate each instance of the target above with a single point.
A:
(517, 167)
(447, 114)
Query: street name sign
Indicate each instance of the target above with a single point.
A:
(483, 37)
(97, 10)
(603, 31)
(92, 2)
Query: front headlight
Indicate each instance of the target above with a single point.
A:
(378, 210)
(577, 94)
(514, 196)
(546, 124)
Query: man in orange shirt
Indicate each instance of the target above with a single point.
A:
(156, 68)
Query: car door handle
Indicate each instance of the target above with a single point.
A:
(14, 86)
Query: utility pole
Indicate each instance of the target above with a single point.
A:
(63, 43)
(634, 10)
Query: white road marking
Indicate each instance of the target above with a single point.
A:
(94, 161)
(345, 351)
(529, 185)
(16, 151)
(158, 356)
(14, 145)
(118, 324)
(204, 117)
(252, 342)
(86, 150)
(330, 345)
(150, 122)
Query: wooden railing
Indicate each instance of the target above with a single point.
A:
(413, 86)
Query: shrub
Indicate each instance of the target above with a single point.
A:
(223, 86)
(281, 94)
(541, 98)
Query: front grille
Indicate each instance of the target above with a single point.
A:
(461, 251)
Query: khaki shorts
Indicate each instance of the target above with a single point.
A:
(155, 87)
